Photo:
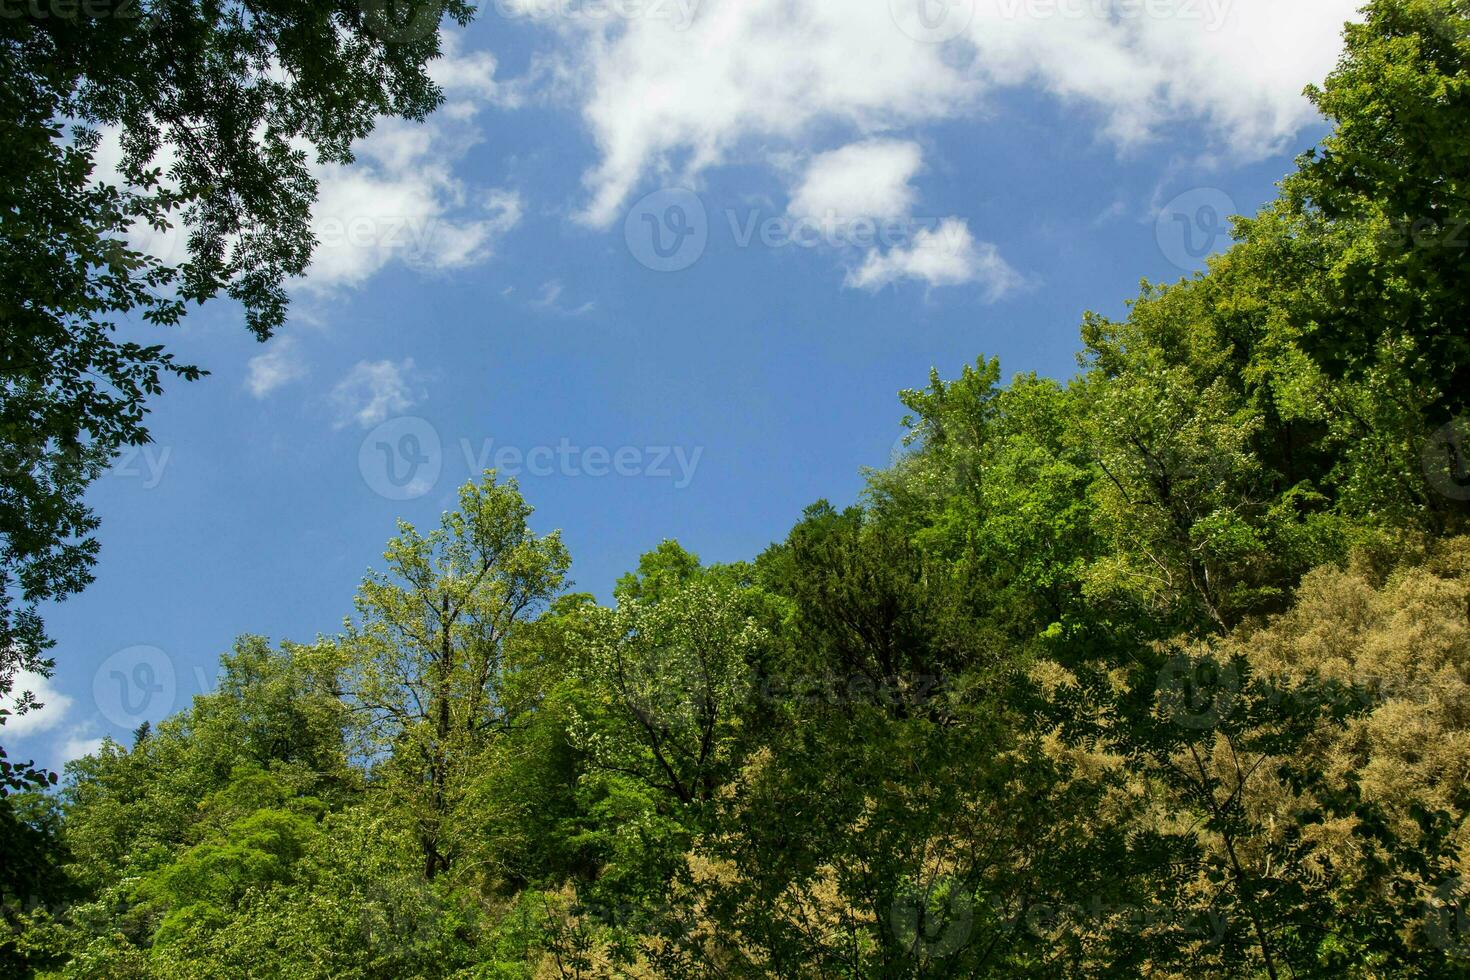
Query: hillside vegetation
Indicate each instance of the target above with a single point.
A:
(1160, 671)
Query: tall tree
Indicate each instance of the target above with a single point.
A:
(1389, 190)
(427, 648)
(673, 664)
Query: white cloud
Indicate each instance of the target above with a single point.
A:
(1239, 66)
(75, 746)
(401, 199)
(678, 101)
(548, 300)
(862, 180)
(868, 185)
(280, 365)
(170, 244)
(752, 77)
(53, 710)
(947, 255)
(68, 737)
(372, 391)
(470, 75)
(665, 98)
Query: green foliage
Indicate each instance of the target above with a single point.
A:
(1392, 183)
(427, 655)
(128, 809)
(221, 109)
(668, 678)
(200, 889)
(1161, 671)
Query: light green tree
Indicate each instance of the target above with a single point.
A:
(671, 676)
(426, 649)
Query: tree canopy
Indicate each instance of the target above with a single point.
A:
(221, 110)
(1161, 670)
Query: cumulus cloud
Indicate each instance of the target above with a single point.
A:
(869, 184)
(170, 243)
(669, 90)
(280, 365)
(52, 711)
(861, 180)
(75, 746)
(400, 200)
(672, 101)
(372, 391)
(470, 75)
(947, 255)
(67, 737)
(667, 99)
(1239, 66)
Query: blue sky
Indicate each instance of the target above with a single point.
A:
(489, 290)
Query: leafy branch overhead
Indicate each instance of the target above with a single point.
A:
(1162, 670)
(220, 111)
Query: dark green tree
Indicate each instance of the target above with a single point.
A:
(222, 108)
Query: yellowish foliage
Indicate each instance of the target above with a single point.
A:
(1404, 640)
